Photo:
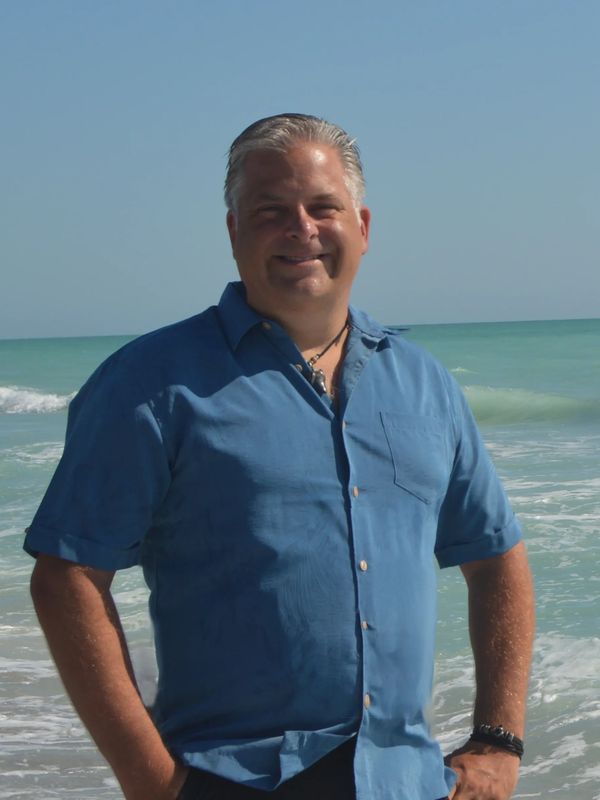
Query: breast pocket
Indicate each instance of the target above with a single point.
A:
(419, 454)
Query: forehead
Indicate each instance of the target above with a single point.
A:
(306, 168)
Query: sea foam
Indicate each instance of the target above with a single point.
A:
(38, 454)
(20, 400)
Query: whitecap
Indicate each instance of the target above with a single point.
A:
(565, 667)
(21, 400)
(36, 455)
(570, 747)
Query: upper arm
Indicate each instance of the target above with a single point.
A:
(53, 576)
(113, 475)
(476, 522)
(513, 562)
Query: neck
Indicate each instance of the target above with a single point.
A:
(318, 336)
(311, 329)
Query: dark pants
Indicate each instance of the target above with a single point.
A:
(331, 778)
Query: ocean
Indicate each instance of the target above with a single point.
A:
(535, 390)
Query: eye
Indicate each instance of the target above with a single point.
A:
(269, 212)
(324, 210)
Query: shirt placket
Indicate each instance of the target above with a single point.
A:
(365, 568)
(365, 562)
(360, 348)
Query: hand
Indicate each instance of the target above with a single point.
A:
(484, 772)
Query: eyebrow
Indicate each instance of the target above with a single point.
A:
(268, 197)
(275, 198)
(330, 197)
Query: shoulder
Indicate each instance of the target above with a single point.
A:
(409, 374)
(172, 344)
(177, 340)
(411, 358)
(411, 352)
(428, 377)
(394, 338)
(152, 362)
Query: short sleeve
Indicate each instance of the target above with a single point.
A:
(112, 476)
(476, 520)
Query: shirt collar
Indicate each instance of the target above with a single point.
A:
(237, 317)
(368, 326)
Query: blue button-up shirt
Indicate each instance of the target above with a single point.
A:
(288, 545)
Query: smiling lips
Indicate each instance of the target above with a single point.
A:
(302, 259)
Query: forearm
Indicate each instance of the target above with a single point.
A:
(78, 616)
(501, 624)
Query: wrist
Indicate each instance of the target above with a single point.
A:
(499, 737)
(158, 776)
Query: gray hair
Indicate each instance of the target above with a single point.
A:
(280, 133)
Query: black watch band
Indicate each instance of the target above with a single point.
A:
(499, 737)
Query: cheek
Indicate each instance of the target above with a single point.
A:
(246, 246)
(347, 234)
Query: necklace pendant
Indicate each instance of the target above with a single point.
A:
(319, 380)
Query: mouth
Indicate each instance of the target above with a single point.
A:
(306, 258)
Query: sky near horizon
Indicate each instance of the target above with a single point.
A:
(478, 124)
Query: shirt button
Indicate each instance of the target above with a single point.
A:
(298, 367)
(363, 565)
(355, 491)
(367, 700)
(364, 625)
(266, 326)
(344, 424)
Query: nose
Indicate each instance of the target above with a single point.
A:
(302, 226)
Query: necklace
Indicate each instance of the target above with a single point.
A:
(317, 377)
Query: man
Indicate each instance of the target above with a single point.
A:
(284, 469)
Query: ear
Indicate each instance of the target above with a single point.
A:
(231, 227)
(365, 226)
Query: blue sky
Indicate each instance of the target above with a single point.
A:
(478, 123)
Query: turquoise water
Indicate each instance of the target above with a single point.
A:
(535, 389)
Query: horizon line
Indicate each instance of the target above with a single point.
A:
(405, 325)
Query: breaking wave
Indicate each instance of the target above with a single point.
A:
(461, 371)
(505, 406)
(19, 400)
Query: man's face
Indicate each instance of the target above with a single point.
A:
(296, 235)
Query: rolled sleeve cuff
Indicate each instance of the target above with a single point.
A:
(492, 544)
(80, 551)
